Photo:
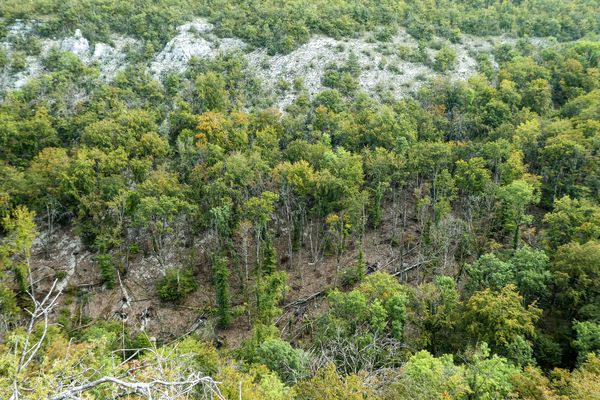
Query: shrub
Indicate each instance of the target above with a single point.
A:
(445, 59)
(176, 284)
(279, 356)
(223, 297)
(108, 271)
(19, 61)
(4, 60)
(356, 273)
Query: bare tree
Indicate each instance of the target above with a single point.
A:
(351, 356)
(31, 346)
(171, 377)
(155, 389)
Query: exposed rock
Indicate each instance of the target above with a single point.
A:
(382, 68)
(192, 40)
(77, 45)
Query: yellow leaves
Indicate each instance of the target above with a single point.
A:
(20, 224)
(152, 144)
(257, 384)
(211, 123)
(328, 384)
(499, 317)
(201, 140)
(332, 219)
(227, 132)
(241, 120)
(382, 286)
(300, 176)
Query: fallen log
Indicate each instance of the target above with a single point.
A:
(316, 295)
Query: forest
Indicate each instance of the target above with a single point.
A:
(354, 245)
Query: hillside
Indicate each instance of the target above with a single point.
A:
(299, 199)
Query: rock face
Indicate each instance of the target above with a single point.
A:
(193, 39)
(110, 58)
(382, 68)
(77, 45)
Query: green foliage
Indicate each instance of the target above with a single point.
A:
(572, 219)
(427, 377)
(532, 273)
(154, 22)
(515, 198)
(576, 270)
(269, 256)
(489, 377)
(108, 272)
(356, 274)
(343, 78)
(472, 176)
(269, 292)
(176, 284)
(433, 313)
(588, 339)
(204, 356)
(445, 59)
(357, 321)
(4, 60)
(527, 268)
(489, 272)
(328, 384)
(9, 309)
(211, 93)
(501, 319)
(222, 293)
(279, 356)
(147, 167)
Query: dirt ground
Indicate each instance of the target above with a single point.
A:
(134, 301)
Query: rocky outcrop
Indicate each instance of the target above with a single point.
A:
(382, 68)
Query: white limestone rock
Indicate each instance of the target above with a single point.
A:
(192, 40)
(77, 45)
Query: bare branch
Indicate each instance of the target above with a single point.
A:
(143, 388)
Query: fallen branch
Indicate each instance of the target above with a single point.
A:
(410, 268)
(313, 296)
(142, 388)
(305, 299)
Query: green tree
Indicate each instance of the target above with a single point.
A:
(328, 384)
(269, 292)
(176, 284)
(222, 292)
(160, 209)
(532, 273)
(488, 377)
(279, 356)
(563, 161)
(445, 59)
(472, 176)
(489, 272)
(515, 198)
(211, 93)
(433, 312)
(49, 182)
(588, 339)
(501, 319)
(108, 272)
(571, 220)
(537, 95)
(427, 377)
(576, 274)
(16, 248)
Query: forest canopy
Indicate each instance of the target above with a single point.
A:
(281, 26)
(351, 245)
